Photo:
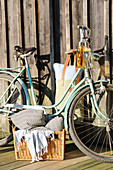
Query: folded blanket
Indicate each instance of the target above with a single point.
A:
(36, 140)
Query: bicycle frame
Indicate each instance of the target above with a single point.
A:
(66, 105)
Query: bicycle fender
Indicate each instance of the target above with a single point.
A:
(71, 98)
(22, 84)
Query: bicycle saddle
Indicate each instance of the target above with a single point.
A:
(24, 50)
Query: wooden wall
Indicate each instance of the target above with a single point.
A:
(51, 26)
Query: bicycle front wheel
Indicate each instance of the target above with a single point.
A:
(14, 95)
(92, 136)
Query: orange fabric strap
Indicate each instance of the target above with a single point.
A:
(75, 67)
(65, 65)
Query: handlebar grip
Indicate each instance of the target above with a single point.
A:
(82, 27)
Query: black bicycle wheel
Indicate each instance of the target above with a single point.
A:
(92, 136)
(14, 95)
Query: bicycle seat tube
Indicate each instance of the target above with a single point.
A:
(30, 81)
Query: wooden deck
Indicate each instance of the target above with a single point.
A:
(74, 159)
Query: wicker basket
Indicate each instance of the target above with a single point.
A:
(56, 148)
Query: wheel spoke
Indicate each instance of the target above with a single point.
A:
(99, 134)
(11, 93)
(89, 133)
(109, 139)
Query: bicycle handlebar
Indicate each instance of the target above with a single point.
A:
(84, 28)
(95, 56)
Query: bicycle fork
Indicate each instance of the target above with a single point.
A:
(96, 109)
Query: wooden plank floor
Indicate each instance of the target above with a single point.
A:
(74, 159)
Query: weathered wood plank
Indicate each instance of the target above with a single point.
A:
(30, 31)
(111, 41)
(74, 159)
(67, 25)
(75, 22)
(57, 30)
(106, 17)
(44, 44)
(44, 27)
(14, 29)
(85, 15)
(97, 23)
(3, 52)
(52, 46)
(106, 32)
(62, 31)
(79, 17)
(90, 165)
(30, 34)
(97, 31)
(3, 57)
(71, 157)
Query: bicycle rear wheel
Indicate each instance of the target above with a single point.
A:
(14, 95)
(89, 133)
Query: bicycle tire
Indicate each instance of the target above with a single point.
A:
(45, 92)
(18, 97)
(93, 137)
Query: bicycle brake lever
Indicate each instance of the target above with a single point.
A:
(15, 57)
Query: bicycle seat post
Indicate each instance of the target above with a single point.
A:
(26, 62)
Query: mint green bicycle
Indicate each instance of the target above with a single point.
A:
(88, 110)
